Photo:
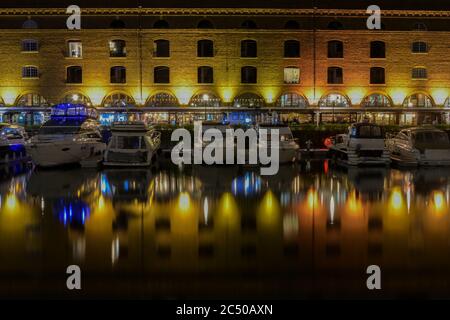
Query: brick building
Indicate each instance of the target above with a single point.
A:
(303, 62)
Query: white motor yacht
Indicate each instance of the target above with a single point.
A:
(12, 143)
(72, 135)
(132, 144)
(420, 146)
(364, 144)
(289, 150)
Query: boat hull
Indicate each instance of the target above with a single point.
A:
(52, 154)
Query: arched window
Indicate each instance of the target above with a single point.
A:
(161, 24)
(117, 24)
(249, 24)
(205, 100)
(76, 98)
(32, 100)
(418, 100)
(376, 100)
(249, 74)
(292, 49)
(249, 49)
(291, 100)
(30, 24)
(161, 48)
(161, 74)
(118, 100)
(205, 24)
(377, 50)
(205, 74)
(2, 103)
(162, 100)
(419, 47)
(292, 24)
(335, 49)
(117, 48)
(74, 74)
(335, 25)
(377, 75)
(118, 74)
(30, 72)
(205, 48)
(335, 75)
(334, 100)
(249, 100)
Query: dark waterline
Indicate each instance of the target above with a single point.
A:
(225, 232)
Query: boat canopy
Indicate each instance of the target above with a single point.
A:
(366, 131)
(68, 110)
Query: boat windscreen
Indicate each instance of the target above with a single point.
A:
(431, 139)
(61, 127)
(367, 132)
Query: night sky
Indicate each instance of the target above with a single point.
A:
(357, 4)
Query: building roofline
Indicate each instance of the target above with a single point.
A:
(223, 11)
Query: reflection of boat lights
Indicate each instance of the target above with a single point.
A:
(332, 210)
(205, 210)
(247, 185)
(184, 202)
(408, 198)
(72, 212)
(115, 250)
(104, 185)
(396, 200)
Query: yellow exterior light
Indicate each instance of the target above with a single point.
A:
(184, 95)
(356, 95)
(398, 96)
(227, 95)
(96, 95)
(9, 96)
(440, 95)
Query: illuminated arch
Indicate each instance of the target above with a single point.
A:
(31, 99)
(75, 97)
(377, 100)
(334, 100)
(419, 100)
(162, 99)
(249, 100)
(291, 100)
(205, 100)
(118, 99)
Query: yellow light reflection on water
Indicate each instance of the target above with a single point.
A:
(354, 205)
(312, 198)
(11, 202)
(396, 201)
(269, 210)
(438, 201)
(184, 202)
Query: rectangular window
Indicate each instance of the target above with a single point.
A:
(30, 46)
(75, 49)
(291, 75)
(205, 75)
(335, 75)
(419, 47)
(419, 73)
(377, 75)
(161, 49)
(30, 72)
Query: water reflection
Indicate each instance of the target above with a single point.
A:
(263, 235)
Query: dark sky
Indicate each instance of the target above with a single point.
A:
(357, 4)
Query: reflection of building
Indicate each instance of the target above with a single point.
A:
(182, 64)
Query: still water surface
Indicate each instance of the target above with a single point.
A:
(226, 232)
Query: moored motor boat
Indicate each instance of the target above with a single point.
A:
(12, 143)
(363, 144)
(132, 144)
(420, 146)
(71, 136)
(288, 148)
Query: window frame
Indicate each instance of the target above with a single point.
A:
(253, 68)
(34, 41)
(29, 67)
(155, 73)
(81, 74)
(111, 75)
